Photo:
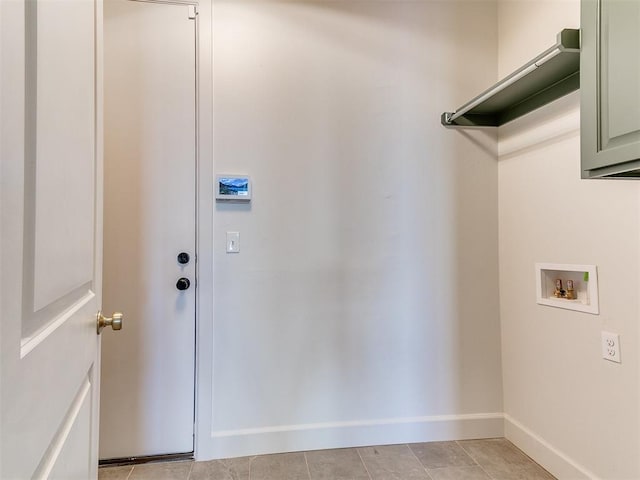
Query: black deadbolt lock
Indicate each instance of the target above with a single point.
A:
(183, 258)
(183, 283)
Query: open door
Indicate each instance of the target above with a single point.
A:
(51, 217)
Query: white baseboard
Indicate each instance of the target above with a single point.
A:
(290, 438)
(555, 461)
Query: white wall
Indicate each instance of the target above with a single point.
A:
(574, 412)
(363, 307)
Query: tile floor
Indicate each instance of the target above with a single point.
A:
(493, 459)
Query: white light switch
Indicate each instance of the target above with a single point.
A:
(233, 242)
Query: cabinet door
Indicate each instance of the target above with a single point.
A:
(610, 88)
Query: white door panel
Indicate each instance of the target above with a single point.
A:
(51, 238)
(64, 87)
(150, 175)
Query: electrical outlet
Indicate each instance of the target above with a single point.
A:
(611, 346)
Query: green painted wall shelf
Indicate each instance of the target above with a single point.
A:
(551, 75)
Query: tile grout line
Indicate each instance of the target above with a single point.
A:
(130, 472)
(476, 462)
(530, 459)
(418, 460)
(363, 464)
(306, 462)
(250, 462)
(190, 469)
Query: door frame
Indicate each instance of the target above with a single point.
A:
(205, 203)
(204, 139)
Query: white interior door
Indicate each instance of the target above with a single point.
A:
(150, 177)
(51, 238)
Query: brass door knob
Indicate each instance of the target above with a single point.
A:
(115, 322)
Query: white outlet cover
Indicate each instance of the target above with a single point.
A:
(611, 347)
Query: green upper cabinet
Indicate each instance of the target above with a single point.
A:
(610, 88)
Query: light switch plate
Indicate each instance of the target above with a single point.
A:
(233, 242)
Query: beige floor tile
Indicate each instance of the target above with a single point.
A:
(494, 452)
(114, 473)
(231, 469)
(343, 464)
(284, 466)
(161, 471)
(504, 461)
(459, 473)
(441, 454)
(530, 471)
(392, 462)
(492, 459)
